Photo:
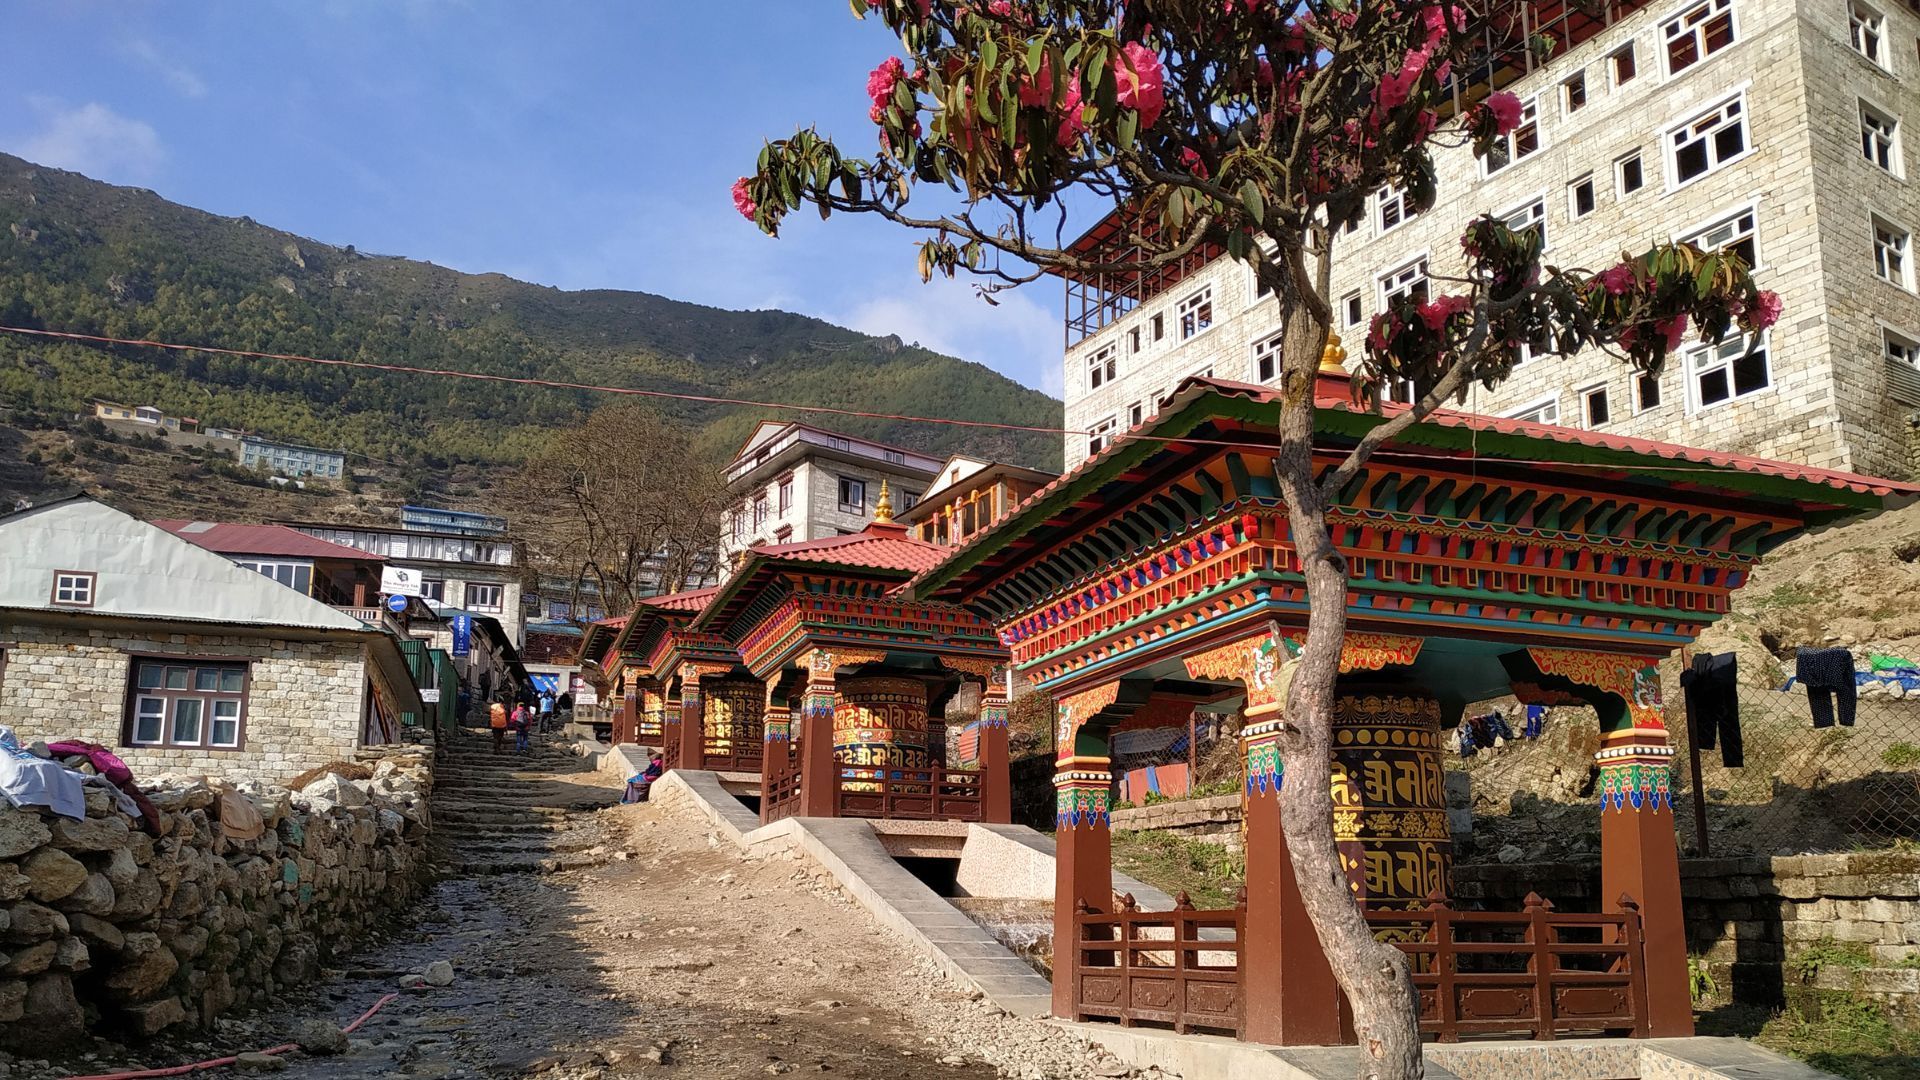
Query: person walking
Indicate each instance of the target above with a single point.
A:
(497, 721)
(522, 724)
(546, 712)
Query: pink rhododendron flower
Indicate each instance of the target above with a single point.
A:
(743, 200)
(1765, 310)
(1437, 311)
(1506, 111)
(1190, 158)
(1071, 122)
(1038, 91)
(1002, 8)
(1675, 329)
(1617, 280)
(882, 80)
(1140, 82)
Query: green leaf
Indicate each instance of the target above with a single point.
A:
(989, 52)
(1036, 55)
(1127, 127)
(1176, 208)
(1255, 203)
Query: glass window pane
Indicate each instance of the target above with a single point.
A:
(226, 723)
(206, 678)
(176, 678)
(149, 676)
(186, 720)
(1750, 373)
(150, 713)
(233, 679)
(1713, 387)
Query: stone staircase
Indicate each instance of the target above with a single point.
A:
(513, 813)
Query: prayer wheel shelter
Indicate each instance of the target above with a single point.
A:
(1487, 556)
(687, 691)
(858, 681)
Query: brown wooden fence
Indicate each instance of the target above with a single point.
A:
(1157, 967)
(938, 794)
(1536, 973)
(782, 774)
(735, 758)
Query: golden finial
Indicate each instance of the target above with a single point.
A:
(883, 506)
(1333, 358)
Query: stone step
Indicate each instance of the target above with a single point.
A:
(553, 864)
(471, 846)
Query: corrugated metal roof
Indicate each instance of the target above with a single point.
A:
(228, 538)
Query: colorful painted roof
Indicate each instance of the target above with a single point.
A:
(230, 539)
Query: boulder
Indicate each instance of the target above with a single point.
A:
(253, 1061)
(33, 959)
(150, 1018)
(143, 968)
(53, 874)
(50, 1016)
(439, 973)
(94, 897)
(72, 955)
(320, 1037)
(138, 897)
(98, 931)
(13, 883)
(28, 921)
(329, 792)
(13, 1000)
(93, 834)
(20, 832)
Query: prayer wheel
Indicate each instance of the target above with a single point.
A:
(732, 715)
(880, 723)
(1390, 795)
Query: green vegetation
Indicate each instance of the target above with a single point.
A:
(1847, 1035)
(1828, 953)
(1901, 755)
(1701, 984)
(85, 257)
(1208, 873)
(1792, 594)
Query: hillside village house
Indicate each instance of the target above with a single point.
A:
(143, 414)
(477, 574)
(290, 459)
(122, 633)
(967, 495)
(1775, 128)
(796, 482)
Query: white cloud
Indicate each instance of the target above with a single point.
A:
(94, 140)
(1017, 337)
(177, 75)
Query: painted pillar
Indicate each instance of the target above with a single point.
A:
(1291, 996)
(1083, 863)
(996, 786)
(819, 779)
(626, 726)
(776, 743)
(670, 729)
(693, 725)
(1639, 858)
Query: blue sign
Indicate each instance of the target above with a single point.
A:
(462, 635)
(397, 604)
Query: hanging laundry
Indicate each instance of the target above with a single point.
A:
(1712, 689)
(29, 780)
(1828, 676)
(1463, 737)
(1536, 723)
(108, 765)
(1499, 726)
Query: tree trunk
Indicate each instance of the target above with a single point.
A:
(1376, 976)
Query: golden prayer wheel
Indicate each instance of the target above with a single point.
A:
(732, 715)
(879, 724)
(1390, 795)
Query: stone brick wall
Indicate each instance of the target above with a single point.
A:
(1214, 820)
(304, 698)
(109, 931)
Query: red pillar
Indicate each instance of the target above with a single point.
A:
(626, 729)
(693, 720)
(1291, 996)
(1639, 858)
(996, 786)
(819, 773)
(670, 730)
(776, 740)
(1083, 863)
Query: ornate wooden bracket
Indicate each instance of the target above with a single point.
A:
(1633, 679)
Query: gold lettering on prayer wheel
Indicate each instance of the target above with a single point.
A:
(1389, 795)
(879, 729)
(732, 715)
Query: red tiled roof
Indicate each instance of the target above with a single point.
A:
(882, 547)
(230, 539)
(690, 600)
(616, 622)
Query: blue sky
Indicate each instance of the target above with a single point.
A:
(583, 145)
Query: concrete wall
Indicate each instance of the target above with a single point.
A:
(303, 709)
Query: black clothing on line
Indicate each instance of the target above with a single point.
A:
(1828, 676)
(1713, 706)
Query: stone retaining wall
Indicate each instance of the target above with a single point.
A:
(105, 930)
(1214, 820)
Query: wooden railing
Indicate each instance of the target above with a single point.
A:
(739, 756)
(783, 783)
(670, 746)
(919, 794)
(1155, 966)
(1536, 973)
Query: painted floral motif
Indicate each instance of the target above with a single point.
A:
(1265, 770)
(1078, 807)
(1642, 783)
(1631, 678)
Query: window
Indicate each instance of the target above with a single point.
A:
(1865, 27)
(760, 511)
(180, 702)
(1890, 244)
(484, 597)
(1392, 208)
(1407, 283)
(1532, 216)
(1901, 349)
(783, 534)
(908, 499)
(853, 496)
(1629, 173)
(1266, 358)
(785, 494)
(1580, 198)
(1352, 309)
(1646, 392)
(1196, 313)
(837, 442)
(294, 575)
(1707, 141)
(435, 589)
(1133, 340)
(737, 523)
(1520, 143)
(1880, 138)
(1727, 370)
(1261, 286)
(1540, 412)
(1593, 407)
(1136, 412)
(1733, 234)
(1697, 33)
(1573, 93)
(1103, 365)
(73, 588)
(1158, 324)
(1099, 436)
(894, 456)
(1621, 61)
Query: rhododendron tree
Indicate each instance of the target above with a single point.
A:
(1260, 128)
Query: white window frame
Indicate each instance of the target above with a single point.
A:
(840, 490)
(1529, 117)
(1574, 213)
(1677, 25)
(1636, 155)
(1136, 414)
(1876, 223)
(1867, 34)
(1100, 434)
(75, 588)
(473, 603)
(435, 589)
(271, 569)
(1890, 339)
(1267, 349)
(1537, 204)
(1353, 308)
(1399, 202)
(1545, 410)
(1689, 357)
(1630, 50)
(1585, 396)
(1732, 105)
(1640, 404)
(1701, 231)
(1103, 365)
(1567, 86)
(1190, 311)
(1880, 129)
(1422, 275)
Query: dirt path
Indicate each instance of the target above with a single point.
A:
(663, 954)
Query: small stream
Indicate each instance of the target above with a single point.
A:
(1025, 926)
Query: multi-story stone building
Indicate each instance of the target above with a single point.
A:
(1774, 127)
(462, 573)
(796, 482)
